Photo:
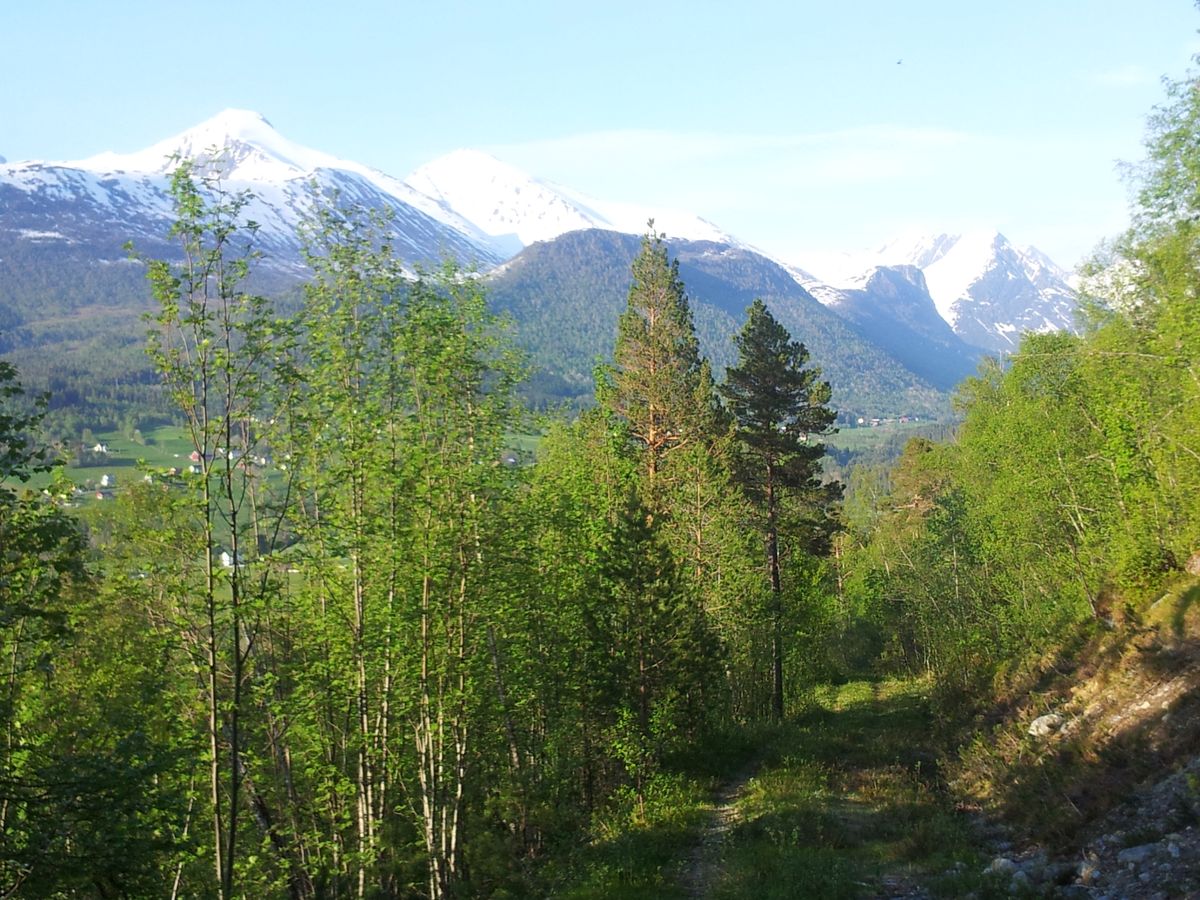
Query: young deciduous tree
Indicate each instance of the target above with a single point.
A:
(214, 349)
(397, 435)
(344, 436)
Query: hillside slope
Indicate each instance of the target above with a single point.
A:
(1090, 764)
(567, 294)
(891, 306)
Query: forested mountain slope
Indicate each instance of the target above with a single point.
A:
(67, 289)
(566, 294)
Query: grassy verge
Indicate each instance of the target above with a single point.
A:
(849, 803)
(634, 855)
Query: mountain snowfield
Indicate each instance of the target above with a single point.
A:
(515, 209)
(472, 206)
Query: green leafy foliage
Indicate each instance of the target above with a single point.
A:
(1069, 490)
(83, 805)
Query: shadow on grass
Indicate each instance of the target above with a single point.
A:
(1186, 601)
(1142, 716)
(637, 863)
(1054, 790)
(648, 860)
(851, 795)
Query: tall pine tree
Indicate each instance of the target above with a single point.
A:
(659, 383)
(779, 407)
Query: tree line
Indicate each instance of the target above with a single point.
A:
(394, 663)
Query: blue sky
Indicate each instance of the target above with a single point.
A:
(801, 127)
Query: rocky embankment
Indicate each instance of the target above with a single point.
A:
(1090, 786)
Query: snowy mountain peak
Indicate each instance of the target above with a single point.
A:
(959, 265)
(915, 249)
(234, 129)
(479, 208)
(985, 288)
(82, 199)
(919, 249)
(246, 145)
(1040, 266)
(991, 291)
(469, 163)
(244, 123)
(232, 126)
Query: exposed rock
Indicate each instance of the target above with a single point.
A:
(1126, 729)
(1143, 870)
(1044, 726)
(1192, 566)
(1058, 872)
(1088, 872)
(1020, 882)
(1001, 865)
(1132, 856)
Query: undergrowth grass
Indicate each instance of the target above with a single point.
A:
(851, 799)
(637, 856)
(847, 799)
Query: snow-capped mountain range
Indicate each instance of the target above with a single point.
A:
(479, 209)
(128, 193)
(988, 290)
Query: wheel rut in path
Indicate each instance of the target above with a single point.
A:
(703, 866)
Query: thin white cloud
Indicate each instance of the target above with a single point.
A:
(617, 162)
(806, 191)
(653, 145)
(1124, 76)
